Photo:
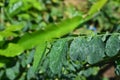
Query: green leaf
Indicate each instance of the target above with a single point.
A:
(9, 31)
(79, 49)
(13, 72)
(52, 31)
(96, 50)
(40, 49)
(2, 64)
(12, 50)
(113, 45)
(37, 5)
(10, 73)
(15, 8)
(58, 55)
(82, 49)
(30, 73)
(97, 6)
(30, 56)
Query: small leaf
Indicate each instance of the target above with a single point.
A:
(38, 55)
(113, 45)
(30, 56)
(58, 55)
(97, 6)
(30, 73)
(13, 72)
(96, 50)
(79, 49)
(10, 73)
(15, 8)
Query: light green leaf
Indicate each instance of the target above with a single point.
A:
(9, 31)
(2, 64)
(12, 50)
(52, 31)
(97, 6)
(15, 8)
(38, 56)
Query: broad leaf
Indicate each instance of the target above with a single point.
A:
(83, 49)
(96, 50)
(79, 49)
(29, 41)
(52, 31)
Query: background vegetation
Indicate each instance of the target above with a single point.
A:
(59, 39)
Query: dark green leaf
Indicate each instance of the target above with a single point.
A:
(79, 49)
(96, 50)
(58, 55)
(113, 45)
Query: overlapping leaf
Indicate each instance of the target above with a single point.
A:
(58, 55)
(29, 41)
(83, 49)
(38, 56)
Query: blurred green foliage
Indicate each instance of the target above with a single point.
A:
(29, 29)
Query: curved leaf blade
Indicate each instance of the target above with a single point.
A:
(96, 7)
(40, 49)
(12, 50)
